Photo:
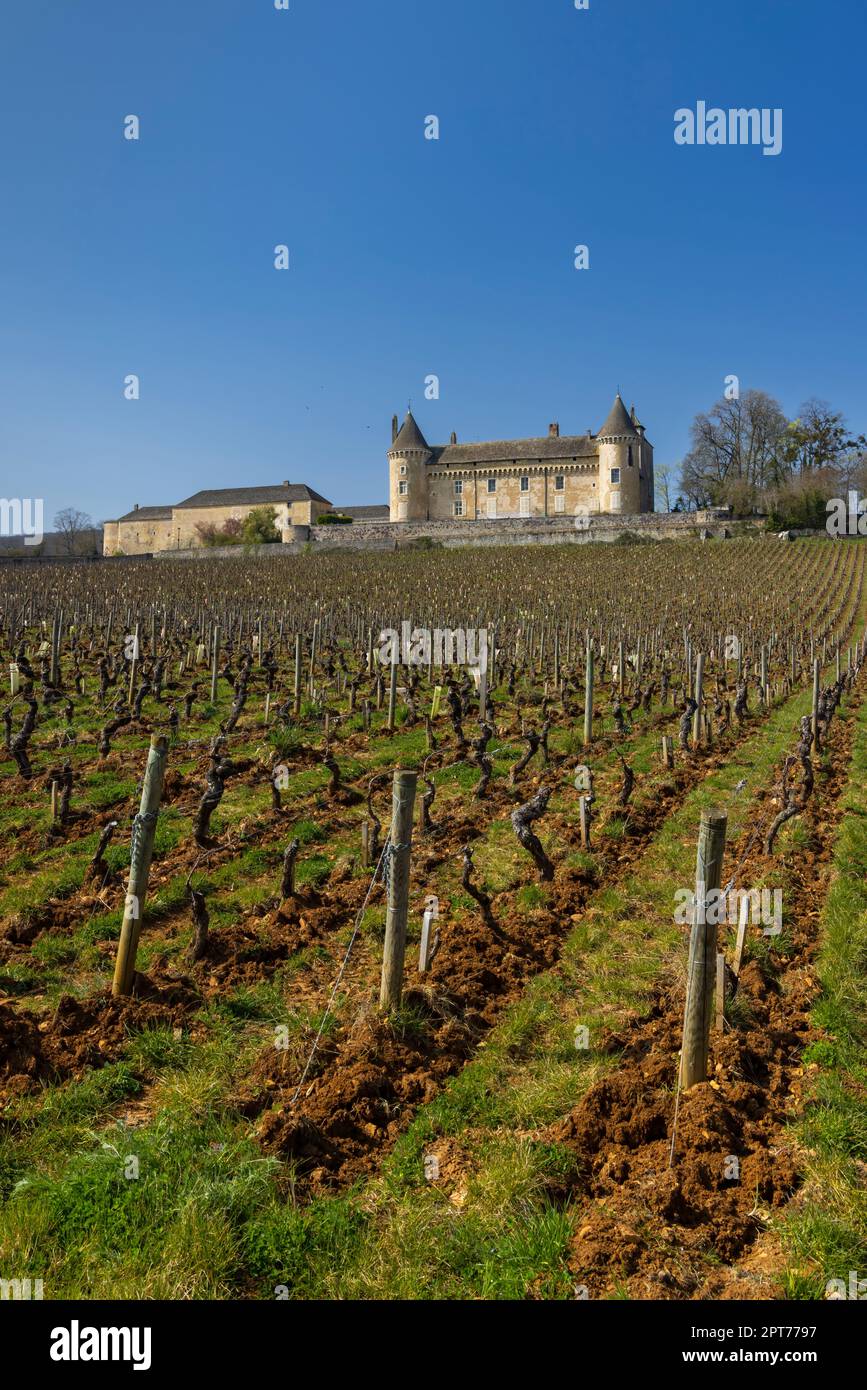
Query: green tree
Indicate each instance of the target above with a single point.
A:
(260, 526)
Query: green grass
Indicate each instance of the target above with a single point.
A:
(209, 1215)
(826, 1235)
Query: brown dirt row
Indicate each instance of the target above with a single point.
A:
(694, 1230)
(477, 972)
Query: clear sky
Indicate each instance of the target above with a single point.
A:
(408, 257)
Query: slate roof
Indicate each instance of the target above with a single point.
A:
(409, 435)
(563, 446)
(369, 513)
(618, 421)
(252, 496)
(148, 514)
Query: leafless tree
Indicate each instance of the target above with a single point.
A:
(73, 526)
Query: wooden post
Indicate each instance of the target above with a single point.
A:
(697, 694)
(588, 694)
(296, 692)
(365, 844)
(56, 635)
(701, 970)
(53, 801)
(133, 664)
(313, 644)
(403, 800)
(720, 991)
(144, 828)
(585, 824)
(667, 752)
(392, 693)
(764, 677)
(424, 953)
(742, 934)
(483, 679)
(215, 657)
(816, 689)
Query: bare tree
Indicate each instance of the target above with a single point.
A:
(662, 484)
(73, 526)
(738, 451)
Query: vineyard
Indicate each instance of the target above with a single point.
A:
(339, 954)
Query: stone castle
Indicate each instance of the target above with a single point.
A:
(610, 472)
(553, 476)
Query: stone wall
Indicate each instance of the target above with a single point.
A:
(552, 530)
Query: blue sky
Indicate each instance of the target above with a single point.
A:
(409, 257)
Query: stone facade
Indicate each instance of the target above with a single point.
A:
(147, 530)
(610, 472)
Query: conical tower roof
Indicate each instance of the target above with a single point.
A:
(618, 422)
(410, 437)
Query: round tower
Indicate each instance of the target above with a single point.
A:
(619, 463)
(645, 466)
(407, 460)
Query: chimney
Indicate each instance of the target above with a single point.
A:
(454, 438)
(135, 506)
(554, 431)
(393, 428)
(286, 483)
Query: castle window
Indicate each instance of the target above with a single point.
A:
(559, 482)
(525, 483)
(459, 487)
(629, 455)
(615, 475)
(459, 508)
(492, 485)
(402, 489)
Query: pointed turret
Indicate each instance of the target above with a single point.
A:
(619, 424)
(408, 458)
(410, 438)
